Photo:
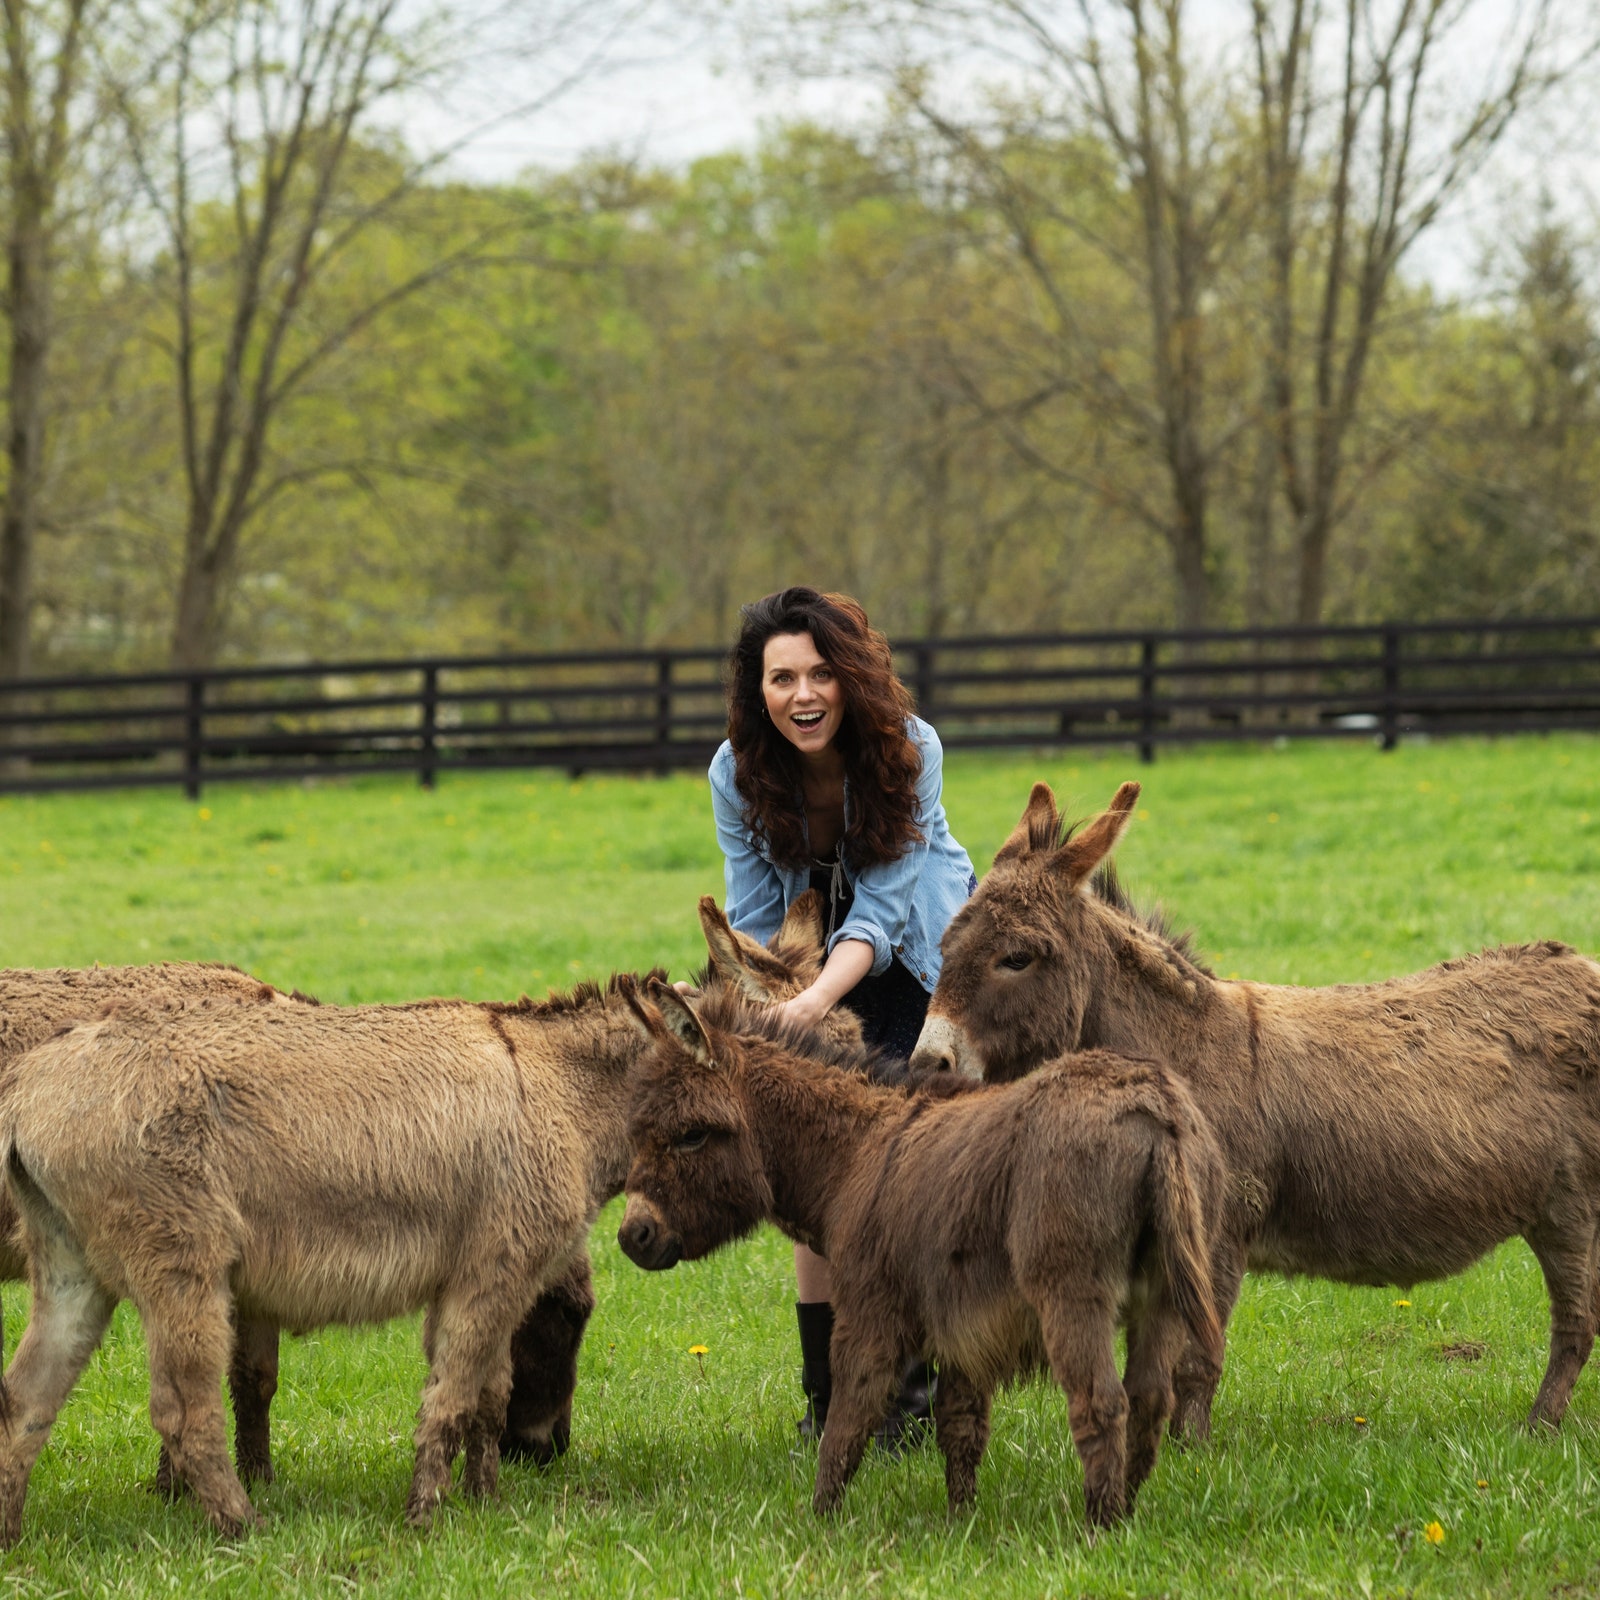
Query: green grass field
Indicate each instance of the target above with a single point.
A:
(1348, 1429)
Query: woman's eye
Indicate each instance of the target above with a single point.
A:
(692, 1141)
(1016, 961)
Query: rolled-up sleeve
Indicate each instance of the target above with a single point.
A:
(884, 892)
(754, 898)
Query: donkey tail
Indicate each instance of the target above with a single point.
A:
(1182, 1224)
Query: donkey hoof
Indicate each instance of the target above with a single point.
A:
(420, 1509)
(235, 1524)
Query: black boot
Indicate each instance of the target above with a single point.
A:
(910, 1420)
(816, 1374)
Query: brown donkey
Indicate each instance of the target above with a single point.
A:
(1380, 1133)
(37, 1004)
(994, 1231)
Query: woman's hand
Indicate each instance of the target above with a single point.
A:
(807, 1009)
(849, 963)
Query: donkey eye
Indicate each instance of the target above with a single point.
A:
(693, 1140)
(1016, 961)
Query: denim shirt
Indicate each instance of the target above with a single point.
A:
(901, 907)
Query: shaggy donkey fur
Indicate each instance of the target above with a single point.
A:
(994, 1231)
(306, 1166)
(298, 1165)
(35, 1005)
(1379, 1133)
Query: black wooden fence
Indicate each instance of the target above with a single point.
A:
(662, 709)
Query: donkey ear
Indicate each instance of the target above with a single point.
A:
(726, 956)
(1039, 828)
(646, 1017)
(802, 923)
(1082, 853)
(681, 1022)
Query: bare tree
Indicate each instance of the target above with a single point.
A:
(1354, 164)
(1238, 146)
(250, 130)
(45, 46)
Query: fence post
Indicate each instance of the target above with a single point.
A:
(1390, 720)
(1147, 699)
(663, 712)
(923, 677)
(194, 736)
(428, 750)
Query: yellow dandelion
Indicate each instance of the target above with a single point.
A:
(205, 813)
(1402, 1302)
(1483, 1483)
(1434, 1533)
(700, 1352)
(1361, 1422)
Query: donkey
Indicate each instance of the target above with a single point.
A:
(37, 1004)
(995, 1231)
(305, 1166)
(1382, 1133)
(300, 1165)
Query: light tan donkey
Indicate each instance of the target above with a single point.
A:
(36, 1004)
(299, 1166)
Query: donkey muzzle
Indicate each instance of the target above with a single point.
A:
(645, 1239)
(941, 1048)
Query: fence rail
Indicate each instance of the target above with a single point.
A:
(662, 709)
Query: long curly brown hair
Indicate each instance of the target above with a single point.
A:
(881, 762)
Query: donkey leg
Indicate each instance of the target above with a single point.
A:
(544, 1368)
(867, 1364)
(71, 1309)
(1566, 1256)
(189, 1335)
(253, 1381)
(1155, 1341)
(1195, 1376)
(1079, 1328)
(469, 1337)
(480, 1466)
(961, 1427)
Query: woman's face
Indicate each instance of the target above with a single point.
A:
(804, 697)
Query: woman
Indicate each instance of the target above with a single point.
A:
(827, 779)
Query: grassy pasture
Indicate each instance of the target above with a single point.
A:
(1351, 1423)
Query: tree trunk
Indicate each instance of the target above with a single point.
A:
(197, 620)
(28, 294)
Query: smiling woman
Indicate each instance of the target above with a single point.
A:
(828, 780)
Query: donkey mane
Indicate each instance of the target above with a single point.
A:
(729, 1012)
(582, 996)
(1107, 888)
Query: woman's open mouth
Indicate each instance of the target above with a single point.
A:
(808, 719)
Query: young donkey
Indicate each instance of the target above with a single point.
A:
(993, 1231)
(1378, 1133)
(299, 1165)
(37, 1004)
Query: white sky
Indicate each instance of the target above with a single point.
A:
(671, 92)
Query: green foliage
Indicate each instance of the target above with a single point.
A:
(1350, 1420)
